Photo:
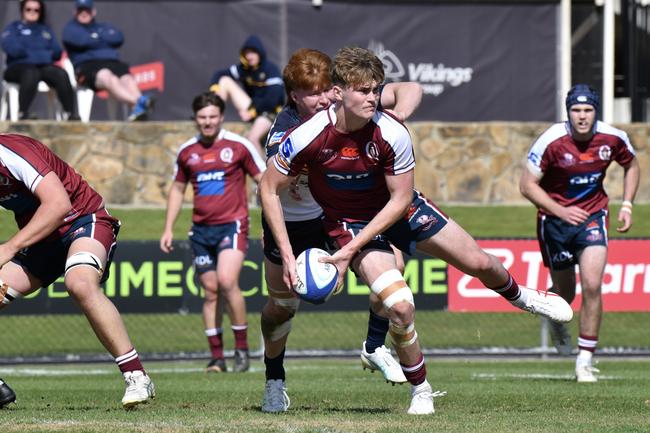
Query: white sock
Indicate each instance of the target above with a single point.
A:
(417, 388)
(584, 357)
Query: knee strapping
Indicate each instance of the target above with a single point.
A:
(402, 336)
(84, 259)
(8, 294)
(391, 288)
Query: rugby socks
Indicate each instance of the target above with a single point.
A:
(215, 340)
(510, 291)
(587, 345)
(130, 361)
(275, 367)
(377, 330)
(416, 373)
(241, 336)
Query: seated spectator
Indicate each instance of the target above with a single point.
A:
(261, 95)
(92, 47)
(32, 49)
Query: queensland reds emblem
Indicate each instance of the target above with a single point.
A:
(604, 153)
(226, 155)
(372, 151)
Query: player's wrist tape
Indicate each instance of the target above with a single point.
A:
(626, 206)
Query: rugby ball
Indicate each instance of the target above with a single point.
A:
(316, 280)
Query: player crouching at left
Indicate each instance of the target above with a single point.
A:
(64, 228)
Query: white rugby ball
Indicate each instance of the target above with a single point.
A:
(316, 280)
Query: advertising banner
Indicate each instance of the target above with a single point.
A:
(626, 283)
(475, 61)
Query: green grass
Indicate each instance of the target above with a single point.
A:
(335, 396)
(480, 221)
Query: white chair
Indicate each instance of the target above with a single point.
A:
(9, 101)
(85, 97)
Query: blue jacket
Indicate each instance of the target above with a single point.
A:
(33, 44)
(263, 84)
(95, 41)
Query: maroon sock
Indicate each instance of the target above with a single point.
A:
(417, 373)
(587, 342)
(130, 361)
(510, 290)
(241, 336)
(216, 346)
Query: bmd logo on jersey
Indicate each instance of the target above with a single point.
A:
(286, 149)
(211, 182)
(583, 185)
(351, 181)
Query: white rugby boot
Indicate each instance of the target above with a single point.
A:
(275, 397)
(545, 304)
(139, 389)
(560, 338)
(383, 361)
(585, 372)
(422, 399)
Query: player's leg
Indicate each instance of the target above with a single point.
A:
(456, 247)
(258, 130)
(378, 268)
(213, 330)
(229, 90)
(106, 79)
(592, 262)
(564, 284)
(229, 264)
(85, 266)
(280, 308)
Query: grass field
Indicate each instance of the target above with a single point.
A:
(494, 221)
(331, 396)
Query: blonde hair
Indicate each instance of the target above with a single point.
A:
(355, 66)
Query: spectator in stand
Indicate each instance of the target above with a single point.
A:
(254, 86)
(92, 47)
(32, 49)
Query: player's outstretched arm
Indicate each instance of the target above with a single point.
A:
(54, 206)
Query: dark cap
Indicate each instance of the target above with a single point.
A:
(84, 4)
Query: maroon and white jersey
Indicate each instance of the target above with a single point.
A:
(218, 176)
(346, 170)
(24, 162)
(572, 172)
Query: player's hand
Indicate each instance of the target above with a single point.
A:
(625, 218)
(573, 215)
(341, 260)
(289, 275)
(7, 252)
(166, 242)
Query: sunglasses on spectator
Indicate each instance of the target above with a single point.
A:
(32, 9)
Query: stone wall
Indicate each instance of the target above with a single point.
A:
(472, 163)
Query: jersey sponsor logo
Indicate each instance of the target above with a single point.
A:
(349, 181)
(276, 138)
(582, 185)
(226, 155)
(562, 257)
(349, 153)
(605, 152)
(202, 261)
(8, 197)
(211, 182)
(209, 157)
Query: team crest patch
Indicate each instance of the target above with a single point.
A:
(226, 155)
(604, 153)
(372, 151)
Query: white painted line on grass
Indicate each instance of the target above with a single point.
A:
(528, 376)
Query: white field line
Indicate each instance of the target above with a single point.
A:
(528, 376)
(62, 370)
